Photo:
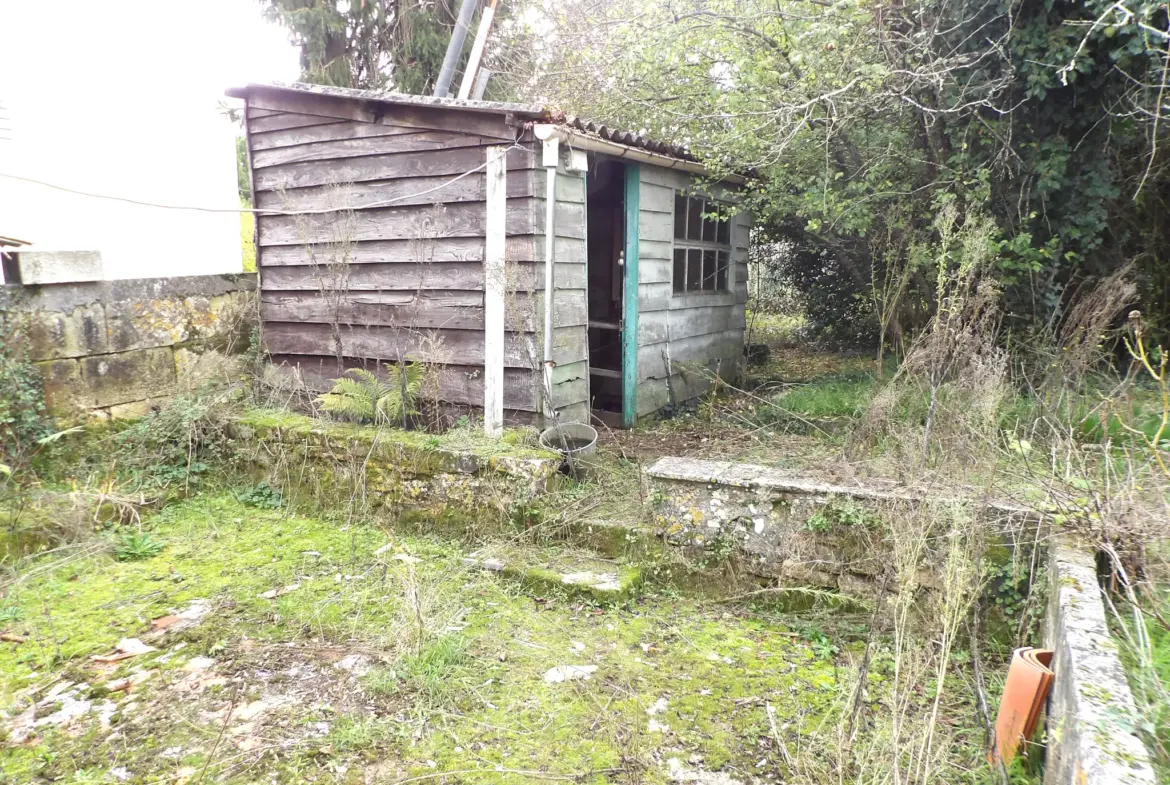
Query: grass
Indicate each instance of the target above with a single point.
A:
(834, 396)
(457, 664)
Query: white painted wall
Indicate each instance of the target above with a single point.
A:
(122, 99)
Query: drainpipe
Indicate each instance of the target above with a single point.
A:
(551, 154)
(581, 141)
(454, 48)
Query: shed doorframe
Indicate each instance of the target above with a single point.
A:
(630, 293)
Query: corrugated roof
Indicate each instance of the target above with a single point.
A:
(529, 112)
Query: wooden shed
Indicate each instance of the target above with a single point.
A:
(409, 228)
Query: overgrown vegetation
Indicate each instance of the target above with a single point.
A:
(1041, 121)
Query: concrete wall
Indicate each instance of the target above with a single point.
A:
(1091, 713)
(115, 348)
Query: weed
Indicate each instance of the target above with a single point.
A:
(137, 546)
(261, 495)
(358, 734)
(435, 670)
(842, 513)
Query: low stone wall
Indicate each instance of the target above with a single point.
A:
(1091, 713)
(115, 348)
(796, 529)
(325, 463)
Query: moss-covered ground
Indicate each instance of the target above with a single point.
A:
(335, 654)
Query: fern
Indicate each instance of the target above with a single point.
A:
(362, 396)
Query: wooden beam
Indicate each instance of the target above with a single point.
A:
(495, 286)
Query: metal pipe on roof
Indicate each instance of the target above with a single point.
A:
(454, 48)
(477, 46)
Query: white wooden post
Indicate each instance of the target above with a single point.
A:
(495, 281)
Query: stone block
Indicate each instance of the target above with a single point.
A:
(65, 391)
(129, 376)
(136, 409)
(42, 267)
(58, 334)
(168, 321)
(194, 367)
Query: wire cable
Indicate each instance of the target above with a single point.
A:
(254, 210)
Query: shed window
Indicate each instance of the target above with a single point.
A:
(702, 245)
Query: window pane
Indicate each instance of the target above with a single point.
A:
(680, 269)
(709, 225)
(724, 232)
(694, 269)
(680, 217)
(721, 272)
(709, 270)
(694, 219)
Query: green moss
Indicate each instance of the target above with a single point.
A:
(459, 660)
(394, 443)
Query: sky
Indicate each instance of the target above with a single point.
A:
(121, 97)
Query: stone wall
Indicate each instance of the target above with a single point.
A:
(795, 529)
(1091, 713)
(326, 464)
(116, 348)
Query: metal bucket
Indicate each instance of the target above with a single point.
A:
(575, 441)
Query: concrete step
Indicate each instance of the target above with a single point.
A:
(572, 570)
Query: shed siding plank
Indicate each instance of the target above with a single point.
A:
(653, 270)
(380, 167)
(366, 146)
(655, 394)
(464, 219)
(570, 219)
(661, 297)
(657, 175)
(329, 132)
(443, 249)
(652, 249)
(414, 276)
(433, 309)
(403, 192)
(700, 349)
(445, 346)
(656, 227)
(662, 326)
(656, 199)
(281, 121)
(458, 384)
(441, 119)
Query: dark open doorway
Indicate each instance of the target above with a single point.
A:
(605, 200)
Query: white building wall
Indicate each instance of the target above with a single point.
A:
(122, 99)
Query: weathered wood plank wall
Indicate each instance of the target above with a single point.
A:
(399, 268)
(683, 338)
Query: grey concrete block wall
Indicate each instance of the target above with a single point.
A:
(114, 348)
(1091, 712)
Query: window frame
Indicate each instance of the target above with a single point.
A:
(711, 258)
